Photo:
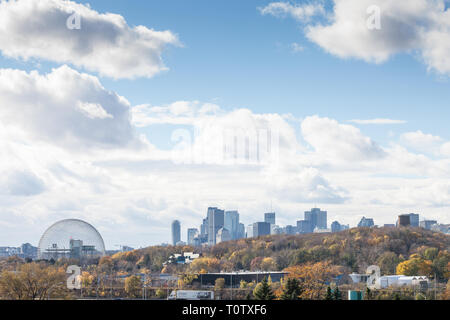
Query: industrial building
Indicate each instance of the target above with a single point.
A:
(233, 279)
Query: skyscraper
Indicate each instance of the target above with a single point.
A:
(215, 222)
(241, 231)
(223, 235)
(176, 232)
(404, 220)
(192, 233)
(317, 218)
(269, 217)
(261, 229)
(414, 220)
(250, 231)
(304, 226)
(231, 223)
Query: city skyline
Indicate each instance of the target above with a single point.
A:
(130, 116)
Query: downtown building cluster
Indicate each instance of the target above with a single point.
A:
(220, 226)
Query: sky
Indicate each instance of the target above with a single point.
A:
(130, 114)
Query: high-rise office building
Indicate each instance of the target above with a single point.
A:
(269, 217)
(414, 220)
(404, 220)
(176, 232)
(261, 229)
(223, 235)
(215, 222)
(192, 233)
(317, 218)
(366, 222)
(241, 231)
(250, 231)
(204, 227)
(231, 223)
(304, 226)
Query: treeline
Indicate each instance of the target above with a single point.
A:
(408, 251)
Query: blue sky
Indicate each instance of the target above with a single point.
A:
(72, 149)
(237, 57)
(234, 56)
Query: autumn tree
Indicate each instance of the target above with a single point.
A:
(388, 262)
(33, 281)
(314, 277)
(133, 286)
(205, 265)
(446, 295)
(415, 266)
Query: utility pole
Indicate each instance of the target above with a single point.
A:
(231, 286)
(435, 287)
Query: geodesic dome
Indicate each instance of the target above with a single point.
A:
(56, 240)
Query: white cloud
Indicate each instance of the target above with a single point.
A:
(306, 186)
(422, 142)
(65, 107)
(297, 47)
(179, 112)
(20, 183)
(302, 12)
(378, 121)
(422, 27)
(340, 141)
(104, 44)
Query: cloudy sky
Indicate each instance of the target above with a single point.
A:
(129, 114)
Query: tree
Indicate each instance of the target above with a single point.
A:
(33, 281)
(133, 286)
(292, 290)
(415, 266)
(205, 265)
(446, 295)
(388, 262)
(368, 295)
(329, 295)
(219, 284)
(263, 291)
(161, 294)
(337, 294)
(314, 278)
(268, 264)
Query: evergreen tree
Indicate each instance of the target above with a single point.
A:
(368, 294)
(292, 290)
(337, 294)
(329, 295)
(263, 291)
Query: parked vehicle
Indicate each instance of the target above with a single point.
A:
(191, 295)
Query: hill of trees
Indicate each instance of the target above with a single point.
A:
(409, 251)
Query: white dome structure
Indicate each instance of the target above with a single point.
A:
(71, 238)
